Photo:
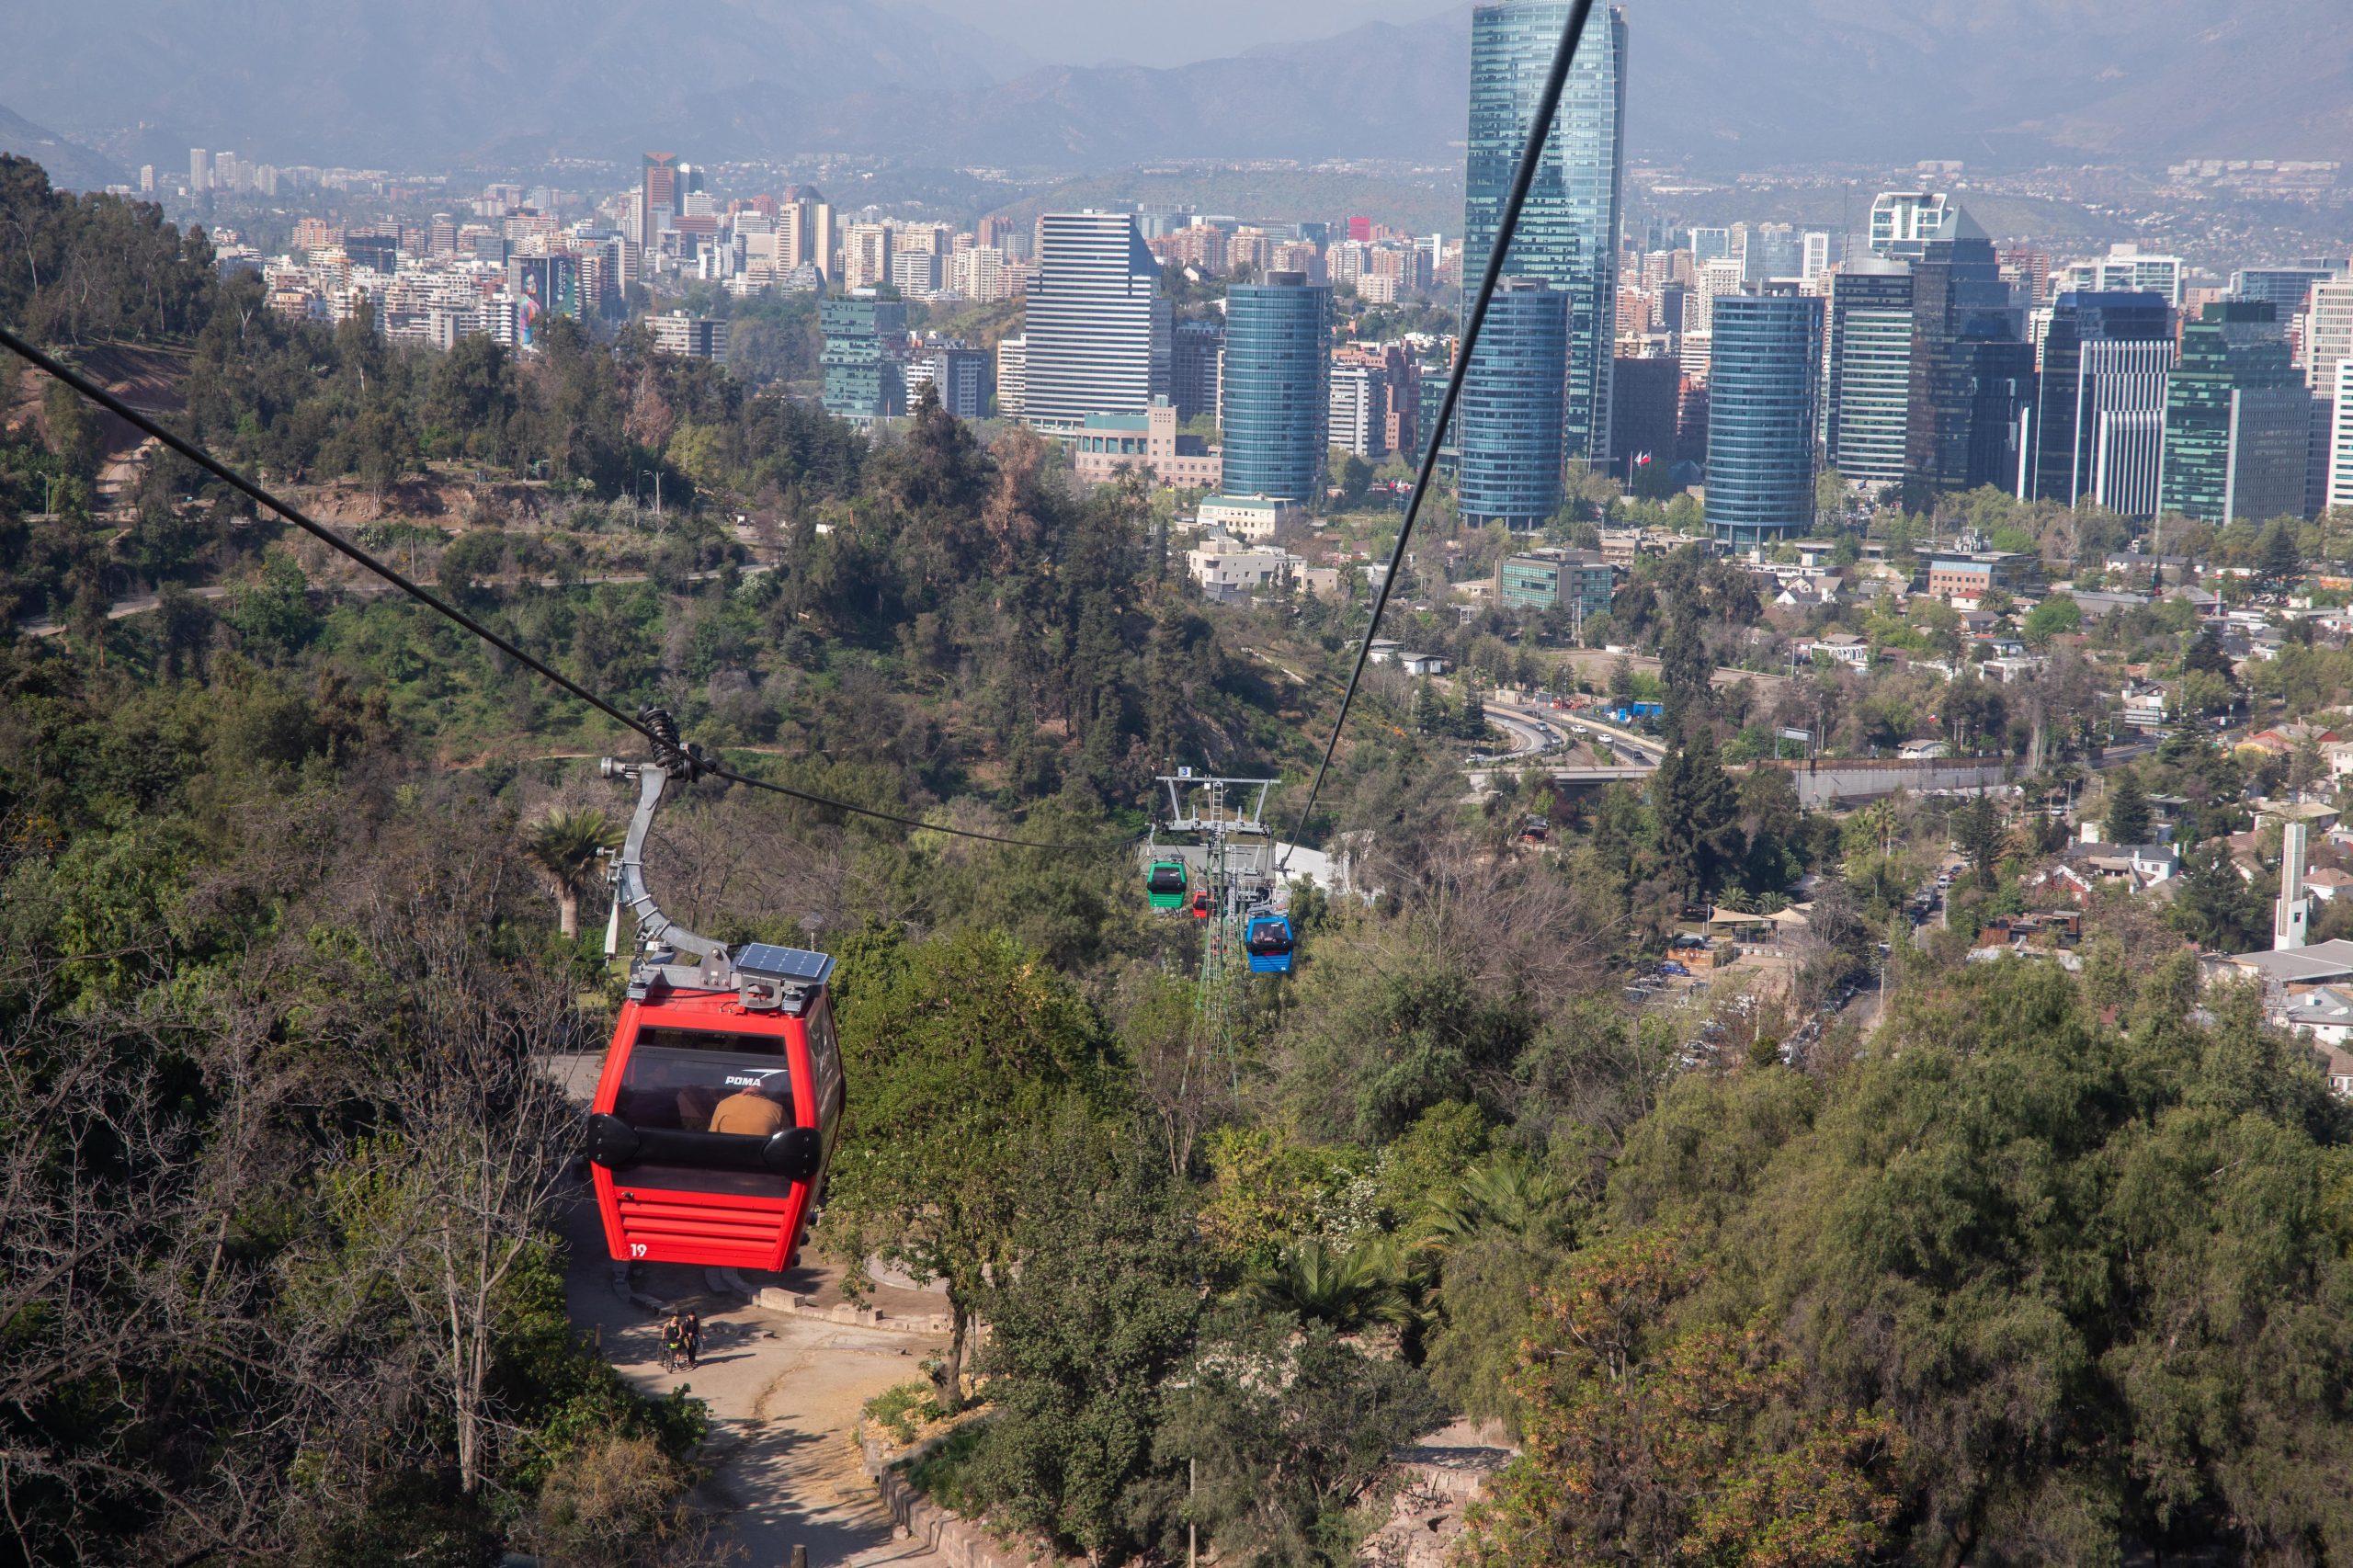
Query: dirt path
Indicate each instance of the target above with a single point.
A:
(784, 1393)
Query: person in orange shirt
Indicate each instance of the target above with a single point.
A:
(752, 1110)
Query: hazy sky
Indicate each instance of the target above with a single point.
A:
(1159, 32)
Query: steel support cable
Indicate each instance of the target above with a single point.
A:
(81, 384)
(1531, 155)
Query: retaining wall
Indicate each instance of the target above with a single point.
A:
(1825, 783)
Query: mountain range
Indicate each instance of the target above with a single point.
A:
(1717, 85)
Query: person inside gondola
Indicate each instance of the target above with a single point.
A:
(755, 1110)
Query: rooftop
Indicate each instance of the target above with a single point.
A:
(2322, 960)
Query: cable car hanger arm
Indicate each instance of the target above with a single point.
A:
(653, 927)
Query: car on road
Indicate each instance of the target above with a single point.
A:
(1579, 730)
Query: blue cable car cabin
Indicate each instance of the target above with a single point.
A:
(1267, 940)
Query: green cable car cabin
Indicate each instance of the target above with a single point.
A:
(1164, 884)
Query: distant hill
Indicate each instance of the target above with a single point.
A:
(1720, 83)
(70, 166)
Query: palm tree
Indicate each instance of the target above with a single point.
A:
(566, 846)
(1508, 1194)
(1351, 1290)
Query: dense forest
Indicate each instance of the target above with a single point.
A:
(2045, 1269)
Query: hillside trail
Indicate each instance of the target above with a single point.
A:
(784, 1393)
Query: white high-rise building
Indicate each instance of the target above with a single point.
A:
(1720, 277)
(1099, 334)
(199, 171)
(1903, 222)
(1358, 410)
(2340, 446)
(2328, 332)
(915, 273)
(1816, 257)
(1013, 378)
(2120, 412)
(2126, 270)
(865, 255)
(981, 274)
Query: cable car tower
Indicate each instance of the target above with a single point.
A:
(1214, 858)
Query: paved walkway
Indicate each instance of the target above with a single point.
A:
(784, 1393)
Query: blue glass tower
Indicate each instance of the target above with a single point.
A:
(1509, 419)
(1763, 368)
(1568, 231)
(1277, 387)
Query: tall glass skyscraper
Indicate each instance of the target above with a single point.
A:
(1972, 372)
(1868, 382)
(1568, 231)
(2238, 420)
(2099, 414)
(1509, 468)
(1277, 387)
(1762, 377)
(864, 358)
(1099, 333)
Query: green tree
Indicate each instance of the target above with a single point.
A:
(1083, 1340)
(1699, 819)
(2128, 808)
(1473, 723)
(273, 614)
(1289, 1422)
(2282, 560)
(2055, 615)
(964, 1049)
(1497, 1234)
(567, 846)
(1644, 1444)
(1685, 672)
(1353, 1289)
(2205, 652)
(2217, 908)
(1977, 828)
(1430, 717)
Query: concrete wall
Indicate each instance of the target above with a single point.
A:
(1827, 782)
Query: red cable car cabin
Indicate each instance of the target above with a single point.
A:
(722, 1095)
(714, 1119)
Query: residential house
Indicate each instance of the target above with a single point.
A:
(1256, 518)
(1846, 648)
(1229, 570)
(2096, 604)
(1422, 664)
(2143, 706)
(2138, 866)
(2050, 929)
(2282, 740)
(2325, 883)
(2136, 567)
(2063, 881)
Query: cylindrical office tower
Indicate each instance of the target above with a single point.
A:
(1763, 368)
(1508, 440)
(1277, 387)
